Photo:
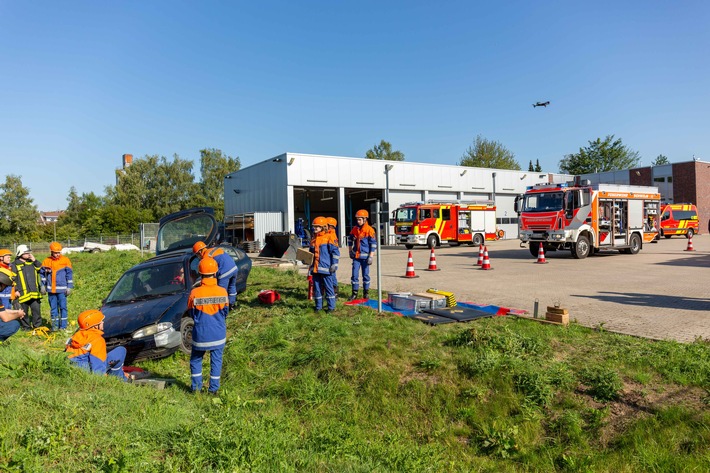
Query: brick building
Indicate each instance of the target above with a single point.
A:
(687, 182)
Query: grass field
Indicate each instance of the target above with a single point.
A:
(361, 392)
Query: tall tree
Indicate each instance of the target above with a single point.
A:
(599, 156)
(81, 212)
(538, 168)
(485, 153)
(214, 166)
(384, 151)
(153, 183)
(660, 159)
(531, 168)
(18, 213)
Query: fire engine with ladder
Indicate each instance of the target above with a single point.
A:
(585, 218)
(432, 222)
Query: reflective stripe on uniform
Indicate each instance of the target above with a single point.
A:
(209, 344)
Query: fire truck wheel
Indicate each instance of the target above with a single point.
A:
(690, 233)
(667, 236)
(408, 246)
(581, 248)
(534, 249)
(432, 241)
(477, 239)
(634, 244)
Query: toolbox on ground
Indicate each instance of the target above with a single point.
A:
(437, 301)
(410, 302)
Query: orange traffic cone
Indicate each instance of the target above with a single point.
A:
(486, 262)
(432, 262)
(410, 267)
(480, 255)
(690, 244)
(541, 255)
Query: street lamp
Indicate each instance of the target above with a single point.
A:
(388, 168)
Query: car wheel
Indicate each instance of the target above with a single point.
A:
(635, 244)
(432, 241)
(581, 248)
(690, 233)
(667, 236)
(477, 239)
(186, 325)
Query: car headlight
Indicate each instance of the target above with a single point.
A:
(152, 330)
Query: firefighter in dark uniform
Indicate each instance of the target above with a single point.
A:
(27, 285)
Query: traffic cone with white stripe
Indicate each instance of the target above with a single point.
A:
(486, 262)
(432, 262)
(690, 243)
(410, 267)
(541, 255)
(480, 255)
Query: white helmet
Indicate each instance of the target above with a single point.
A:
(22, 249)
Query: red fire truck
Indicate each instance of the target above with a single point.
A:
(431, 223)
(585, 218)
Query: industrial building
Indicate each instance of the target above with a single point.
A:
(274, 194)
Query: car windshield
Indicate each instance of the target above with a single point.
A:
(543, 202)
(184, 232)
(152, 281)
(405, 214)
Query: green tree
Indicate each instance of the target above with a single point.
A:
(601, 155)
(384, 151)
(484, 153)
(660, 159)
(538, 168)
(80, 217)
(214, 165)
(155, 184)
(531, 168)
(18, 213)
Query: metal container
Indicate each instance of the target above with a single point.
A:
(403, 303)
(423, 303)
(437, 301)
(396, 294)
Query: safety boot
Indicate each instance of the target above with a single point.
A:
(365, 292)
(354, 296)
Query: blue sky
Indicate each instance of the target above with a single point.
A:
(83, 82)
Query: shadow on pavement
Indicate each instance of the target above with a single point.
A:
(651, 300)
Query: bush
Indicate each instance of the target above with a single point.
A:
(603, 383)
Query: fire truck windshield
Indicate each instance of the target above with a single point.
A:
(543, 202)
(406, 214)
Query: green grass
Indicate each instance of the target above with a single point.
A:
(360, 392)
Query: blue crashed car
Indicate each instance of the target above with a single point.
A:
(146, 311)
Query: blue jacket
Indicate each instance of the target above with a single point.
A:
(57, 274)
(362, 241)
(326, 254)
(227, 272)
(209, 304)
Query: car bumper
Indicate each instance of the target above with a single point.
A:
(154, 346)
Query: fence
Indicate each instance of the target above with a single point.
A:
(144, 240)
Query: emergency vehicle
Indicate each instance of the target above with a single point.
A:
(679, 219)
(586, 218)
(431, 223)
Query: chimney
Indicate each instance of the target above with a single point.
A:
(127, 160)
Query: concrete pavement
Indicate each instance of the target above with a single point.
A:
(661, 293)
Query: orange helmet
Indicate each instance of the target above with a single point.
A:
(331, 221)
(55, 247)
(5, 252)
(319, 222)
(90, 318)
(208, 266)
(198, 246)
(362, 213)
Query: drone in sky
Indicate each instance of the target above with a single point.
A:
(541, 104)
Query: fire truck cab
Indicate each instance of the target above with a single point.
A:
(585, 218)
(431, 223)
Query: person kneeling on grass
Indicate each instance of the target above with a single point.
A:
(87, 347)
(9, 324)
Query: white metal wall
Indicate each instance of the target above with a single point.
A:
(267, 222)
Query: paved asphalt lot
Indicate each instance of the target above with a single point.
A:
(661, 293)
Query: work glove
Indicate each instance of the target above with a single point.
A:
(352, 254)
(334, 269)
(369, 260)
(42, 289)
(68, 292)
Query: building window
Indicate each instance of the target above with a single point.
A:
(659, 179)
(670, 178)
